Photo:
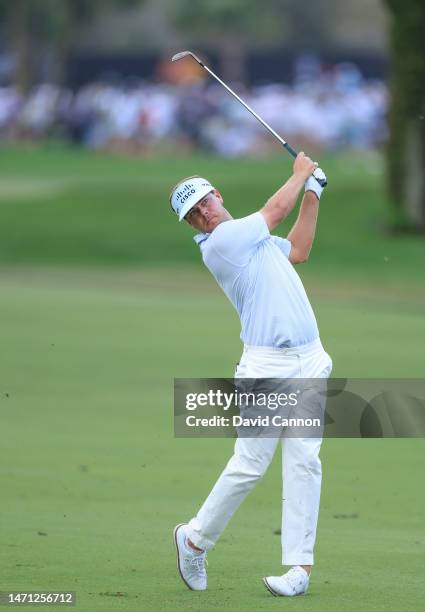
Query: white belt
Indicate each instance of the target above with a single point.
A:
(303, 349)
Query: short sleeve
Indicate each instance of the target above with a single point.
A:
(236, 240)
(283, 243)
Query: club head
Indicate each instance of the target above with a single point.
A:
(182, 54)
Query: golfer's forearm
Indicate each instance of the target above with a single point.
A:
(283, 201)
(303, 231)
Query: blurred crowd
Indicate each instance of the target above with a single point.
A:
(334, 108)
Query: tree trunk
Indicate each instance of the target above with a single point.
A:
(62, 42)
(414, 186)
(406, 150)
(21, 27)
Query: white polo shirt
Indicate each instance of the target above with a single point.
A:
(253, 269)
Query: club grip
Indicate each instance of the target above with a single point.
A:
(290, 150)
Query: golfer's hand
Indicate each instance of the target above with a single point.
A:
(317, 182)
(304, 166)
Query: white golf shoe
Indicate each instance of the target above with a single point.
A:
(191, 564)
(294, 582)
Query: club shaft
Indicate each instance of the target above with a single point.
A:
(248, 108)
(287, 146)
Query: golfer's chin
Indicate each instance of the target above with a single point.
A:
(211, 225)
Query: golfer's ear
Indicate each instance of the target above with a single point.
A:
(218, 194)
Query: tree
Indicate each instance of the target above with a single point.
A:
(406, 150)
(36, 24)
(233, 24)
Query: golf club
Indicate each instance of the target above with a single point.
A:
(291, 151)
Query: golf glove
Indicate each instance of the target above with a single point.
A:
(311, 183)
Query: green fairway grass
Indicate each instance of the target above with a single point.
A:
(103, 302)
(75, 208)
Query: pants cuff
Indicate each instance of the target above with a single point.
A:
(297, 559)
(197, 539)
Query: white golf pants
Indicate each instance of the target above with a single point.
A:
(301, 467)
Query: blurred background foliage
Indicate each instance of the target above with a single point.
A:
(48, 41)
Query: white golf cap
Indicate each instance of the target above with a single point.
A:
(187, 193)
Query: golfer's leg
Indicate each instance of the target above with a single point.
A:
(250, 460)
(302, 477)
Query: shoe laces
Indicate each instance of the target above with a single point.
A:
(198, 562)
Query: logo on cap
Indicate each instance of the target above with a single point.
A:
(185, 193)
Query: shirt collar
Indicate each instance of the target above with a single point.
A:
(200, 238)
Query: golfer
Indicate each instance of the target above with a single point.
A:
(281, 340)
